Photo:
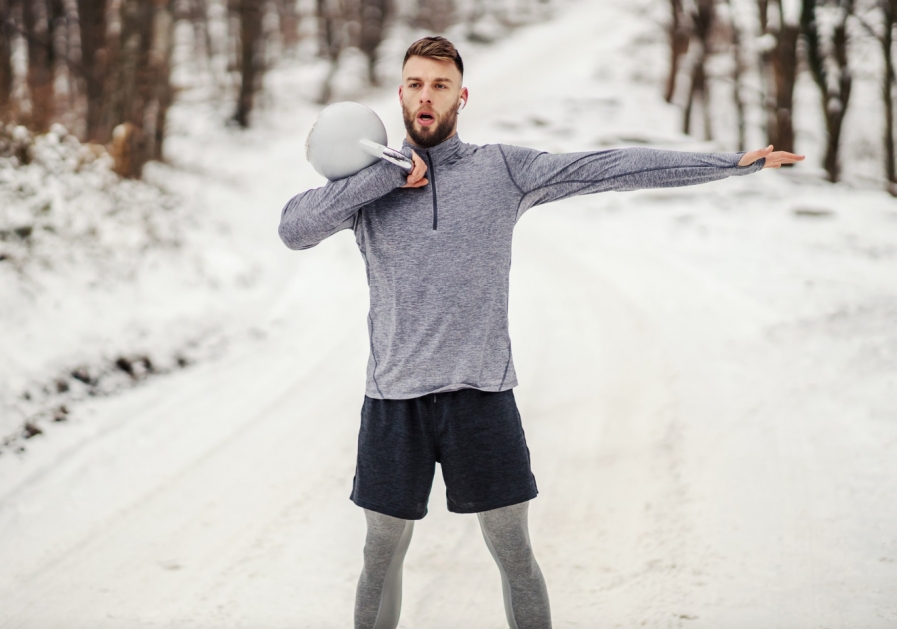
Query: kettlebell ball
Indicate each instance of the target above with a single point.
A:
(348, 137)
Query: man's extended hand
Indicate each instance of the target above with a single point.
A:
(773, 159)
(416, 177)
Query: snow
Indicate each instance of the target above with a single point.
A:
(707, 380)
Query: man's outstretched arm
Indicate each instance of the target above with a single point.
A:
(543, 177)
(313, 215)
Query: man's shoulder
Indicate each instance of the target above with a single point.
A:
(472, 153)
(500, 151)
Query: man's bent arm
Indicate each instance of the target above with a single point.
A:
(313, 215)
(544, 177)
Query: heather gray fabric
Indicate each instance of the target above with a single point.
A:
(523, 587)
(378, 597)
(438, 257)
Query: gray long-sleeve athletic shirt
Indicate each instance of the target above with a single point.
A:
(438, 257)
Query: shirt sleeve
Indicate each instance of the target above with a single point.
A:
(544, 177)
(313, 215)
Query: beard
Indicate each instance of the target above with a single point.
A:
(426, 137)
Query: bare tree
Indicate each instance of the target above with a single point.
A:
(679, 33)
(138, 91)
(251, 57)
(66, 43)
(159, 93)
(94, 60)
(374, 15)
(702, 20)
(331, 40)
(122, 102)
(196, 12)
(289, 22)
(434, 15)
(827, 58)
(778, 64)
(40, 64)
(739, 68)
(887, 11)
(7, 30)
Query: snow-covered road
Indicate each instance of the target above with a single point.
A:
(707, 388)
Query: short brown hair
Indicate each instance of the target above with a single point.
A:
(435, 48)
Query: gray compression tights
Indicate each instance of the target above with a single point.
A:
(378, 599)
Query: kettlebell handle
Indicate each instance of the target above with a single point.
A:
(386, 153)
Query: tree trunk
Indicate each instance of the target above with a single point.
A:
(679, 33)
(834, 90)
(434, 15)
(374, 14)
(289, 22)
(139, 91)
(702, 20)
(63, 13)
(7, 29)
(94, 60)
(784, 67)
(202, 41)
(41, 61)
(330, 41)
(889, 11)
(123, 80)
(778, 68)
(842, 96)
(738, 71)
(251, 57)
(764, 64)
(160, 76)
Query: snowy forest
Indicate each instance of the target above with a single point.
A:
(104, 68)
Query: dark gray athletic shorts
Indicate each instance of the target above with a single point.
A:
(476, 436)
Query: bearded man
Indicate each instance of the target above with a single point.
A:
(437, 247)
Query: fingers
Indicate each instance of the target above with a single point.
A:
(778, 158)
(774, 159)
(787, 155)
(416, 177)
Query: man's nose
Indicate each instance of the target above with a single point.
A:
(425, 95)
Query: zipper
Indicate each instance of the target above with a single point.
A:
(432, 175)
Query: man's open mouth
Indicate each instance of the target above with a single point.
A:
(426, 118)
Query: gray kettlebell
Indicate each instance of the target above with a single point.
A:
(348, 137)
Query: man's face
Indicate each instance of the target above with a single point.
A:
(430, 94)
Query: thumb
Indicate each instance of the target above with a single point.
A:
(767, 150)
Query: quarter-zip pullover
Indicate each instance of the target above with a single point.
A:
(438, 318)
(431, 177)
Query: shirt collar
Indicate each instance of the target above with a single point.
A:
(442, 153)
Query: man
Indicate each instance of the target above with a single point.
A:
(437, 247)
